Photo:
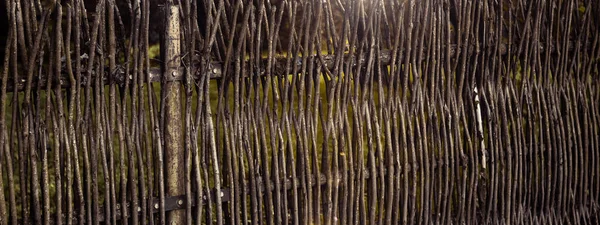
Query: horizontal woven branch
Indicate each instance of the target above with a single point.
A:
(215, 71)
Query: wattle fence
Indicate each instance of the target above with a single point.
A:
(300, 112)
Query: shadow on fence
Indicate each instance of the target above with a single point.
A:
(301, 112)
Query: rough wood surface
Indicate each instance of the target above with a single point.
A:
(301, 112)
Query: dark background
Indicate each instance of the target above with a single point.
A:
(3, 29)
(156, 17)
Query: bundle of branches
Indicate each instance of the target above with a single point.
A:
(300, 112)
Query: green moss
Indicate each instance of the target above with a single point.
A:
(154, 51)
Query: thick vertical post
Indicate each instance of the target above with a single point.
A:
(174, 149)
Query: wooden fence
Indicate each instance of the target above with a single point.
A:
(300, 112)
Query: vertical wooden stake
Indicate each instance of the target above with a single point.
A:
(174, 149)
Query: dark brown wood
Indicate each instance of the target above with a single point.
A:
(300, 112)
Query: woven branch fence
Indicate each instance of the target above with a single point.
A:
(301, 112)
